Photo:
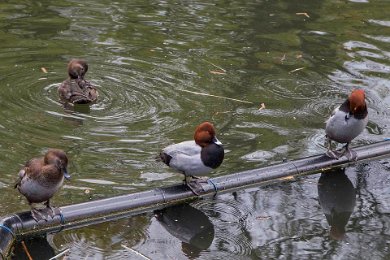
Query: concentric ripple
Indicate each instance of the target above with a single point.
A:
(123, 98)
(99, 243)
(230, 223)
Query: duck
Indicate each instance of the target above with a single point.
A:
(345, 123)
(41, 178)
(195, 158)
(75, 89)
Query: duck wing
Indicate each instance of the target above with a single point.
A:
(86, 93)
(186, 158)
(21, 174)
(32, 167)
(92, 93)
(188, 148)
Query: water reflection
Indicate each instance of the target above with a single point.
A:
(189, 225)
(80, 108)
(337, 197)
(38, 248)
(98, 241)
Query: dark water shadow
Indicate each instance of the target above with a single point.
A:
(337, 197)
(72, 110)
(80, 108)
(38, 248)
(189, 225)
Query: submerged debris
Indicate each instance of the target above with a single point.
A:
(26, 251)
(292, 71)
(305, 14)
(217, 72)
(262, 106)
(60, 254)
(263, 217)
(135, 252)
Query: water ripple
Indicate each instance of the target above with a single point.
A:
(230, 219)
(99, 243)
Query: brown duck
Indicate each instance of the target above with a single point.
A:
(41, 178)
(76, 89)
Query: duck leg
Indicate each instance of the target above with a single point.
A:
(44, 213)
(349, 153)
(330, 153)
(37, 215)
(49, 209)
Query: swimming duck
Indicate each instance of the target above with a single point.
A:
(197, 157)
(347, 122)
(41, 178)
(76, 89)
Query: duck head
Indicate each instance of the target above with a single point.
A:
(205, 135)
(59, 159)
(357, 102)
(77, 69)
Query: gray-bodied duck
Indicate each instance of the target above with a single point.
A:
(197, 157)
(347, 122)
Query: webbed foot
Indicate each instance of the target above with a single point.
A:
(41, 214)
(350, 154)
(195, 184)
(333, 154)
(44, 213)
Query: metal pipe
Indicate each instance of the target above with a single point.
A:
(7, 235)
(92, 212)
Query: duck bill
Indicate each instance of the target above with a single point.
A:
(216, 141)
(66, 174)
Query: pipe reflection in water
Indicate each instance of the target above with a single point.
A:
(337, 197)
(38, 248)
(189, 225)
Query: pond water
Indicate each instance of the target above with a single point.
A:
(149, 60)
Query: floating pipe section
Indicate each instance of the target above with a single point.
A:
(22, 225)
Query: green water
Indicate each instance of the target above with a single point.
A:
(149, 59)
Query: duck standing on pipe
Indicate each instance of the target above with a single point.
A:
(197, 157)
(41, 178)
(347, 122)
(76, 89)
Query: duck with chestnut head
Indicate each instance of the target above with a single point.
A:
(41, 178)
(346, 123)
(197, 157)
(76, 89)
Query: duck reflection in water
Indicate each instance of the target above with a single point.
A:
(38, 248)
(337, 197)
(189, 225)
